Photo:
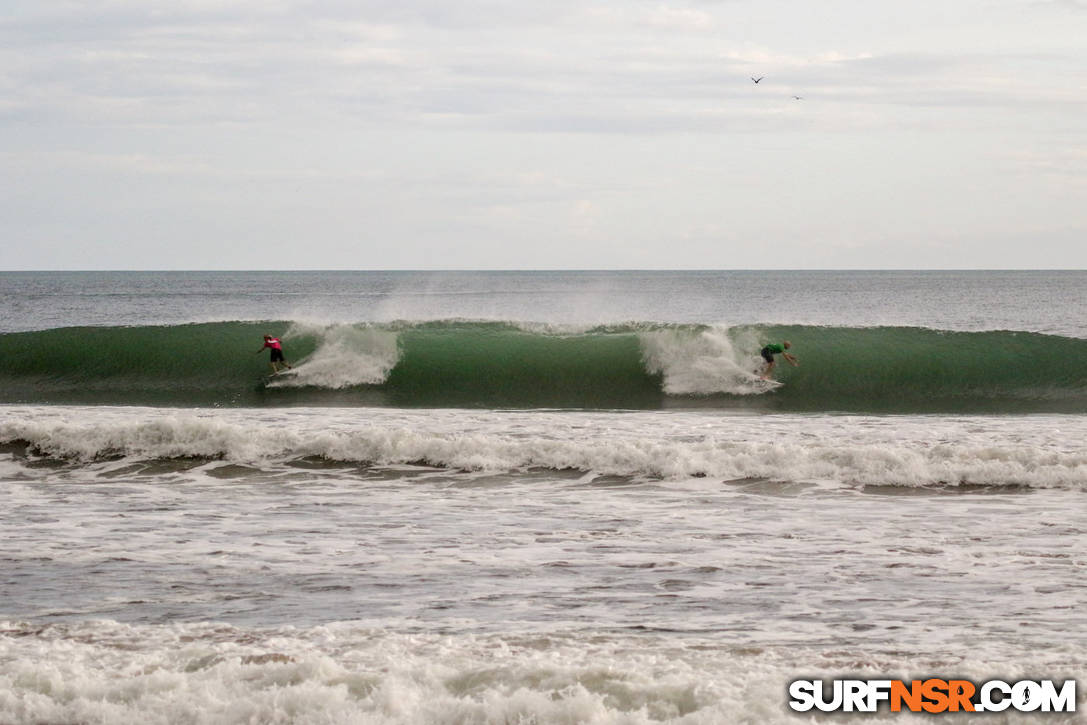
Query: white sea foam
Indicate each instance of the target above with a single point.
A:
(107, 672)
(1034, 451)
(346, 356)
(704, 362)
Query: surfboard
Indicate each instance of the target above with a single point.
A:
(764, 384)
(271, 377)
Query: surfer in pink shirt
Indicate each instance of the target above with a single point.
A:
(277, 353)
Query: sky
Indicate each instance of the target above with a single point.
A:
(560, 134)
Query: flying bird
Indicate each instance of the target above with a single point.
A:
(798, 98)
(757, 79)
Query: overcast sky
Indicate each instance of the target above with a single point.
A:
(494, 134)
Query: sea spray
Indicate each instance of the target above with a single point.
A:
(345, 356)
(704, 361)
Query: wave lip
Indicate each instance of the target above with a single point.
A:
(345, 356)
(464, 363)
(704, 362)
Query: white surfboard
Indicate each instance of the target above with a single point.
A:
(763, 384)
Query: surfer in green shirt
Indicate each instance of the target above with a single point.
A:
(768, 353)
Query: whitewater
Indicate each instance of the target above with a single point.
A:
(533, 497)
(919, 451)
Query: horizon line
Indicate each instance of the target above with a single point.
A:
(565, 269)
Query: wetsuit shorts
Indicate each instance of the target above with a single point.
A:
(767, 355)
(277, 355)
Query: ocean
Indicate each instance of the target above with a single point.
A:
(534, 497)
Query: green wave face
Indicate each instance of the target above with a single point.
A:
(920, 370)
(464, 363)
(494, 365)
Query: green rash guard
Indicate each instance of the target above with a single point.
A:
(775, 348)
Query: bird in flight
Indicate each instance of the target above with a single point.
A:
(798, 98)
(757, 79)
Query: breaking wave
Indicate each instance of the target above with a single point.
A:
(463, 363)
(912, 451)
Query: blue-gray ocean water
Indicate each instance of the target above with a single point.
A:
(533, 497)
(1036, 301)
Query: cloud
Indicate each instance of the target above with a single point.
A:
(549, 67)
(473, 118)
(664, 16)
(1066, 165)
(1062, 4)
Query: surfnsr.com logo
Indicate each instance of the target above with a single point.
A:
(933, 696)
